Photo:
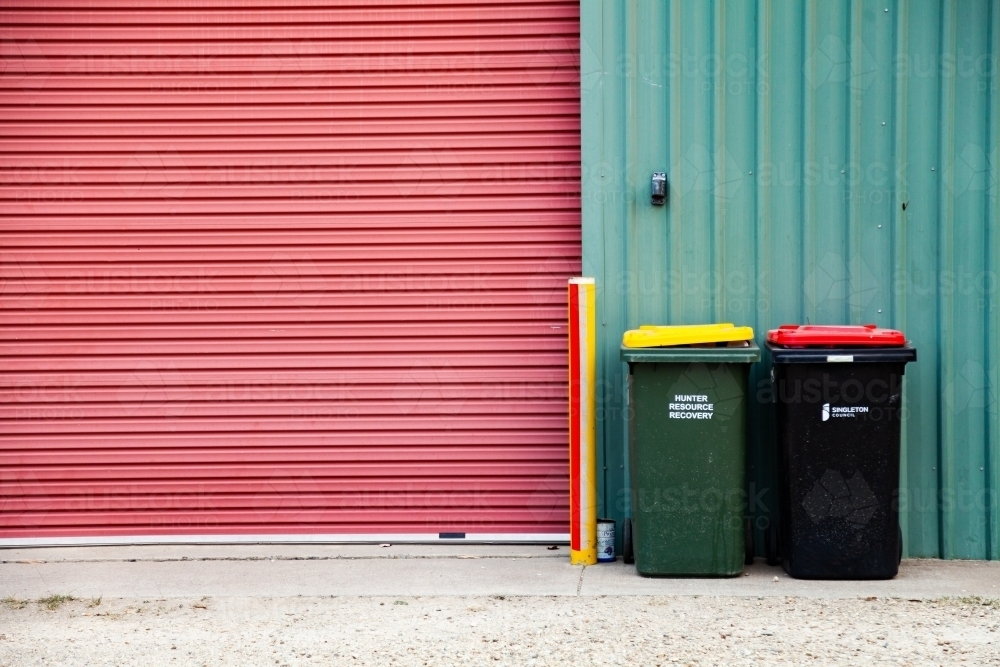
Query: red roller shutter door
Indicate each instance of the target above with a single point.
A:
(292, 273)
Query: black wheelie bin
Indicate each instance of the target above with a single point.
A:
(838, 394)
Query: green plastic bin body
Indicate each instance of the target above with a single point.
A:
(687, 453)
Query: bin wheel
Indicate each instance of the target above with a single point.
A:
(900, 559)
(628, 556)
(771, 544)
(748, 541)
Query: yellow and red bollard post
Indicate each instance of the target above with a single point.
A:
(582, 422)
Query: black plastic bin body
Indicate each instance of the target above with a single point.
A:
(837, 421)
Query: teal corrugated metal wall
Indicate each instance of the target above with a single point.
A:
(829, 161)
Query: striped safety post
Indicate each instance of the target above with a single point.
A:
(582, 422)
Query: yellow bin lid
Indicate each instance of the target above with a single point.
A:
(690, 334)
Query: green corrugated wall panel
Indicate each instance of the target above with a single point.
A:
(793, 133)
(992, 249)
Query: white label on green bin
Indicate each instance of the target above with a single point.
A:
(691, 406)
(833, 358)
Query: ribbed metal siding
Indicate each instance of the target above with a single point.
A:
(272, 270)
(793, 134)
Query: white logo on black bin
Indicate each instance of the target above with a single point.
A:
(843, 412)
(832, 496)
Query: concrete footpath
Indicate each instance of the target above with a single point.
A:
(277, 571)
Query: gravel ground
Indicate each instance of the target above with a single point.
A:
(498, 630)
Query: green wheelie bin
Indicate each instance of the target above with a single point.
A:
(687, 448)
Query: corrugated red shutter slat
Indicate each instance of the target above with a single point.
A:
(286, 270)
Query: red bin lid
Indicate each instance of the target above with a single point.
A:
(828, 335)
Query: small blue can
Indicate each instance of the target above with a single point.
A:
(605, 541)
